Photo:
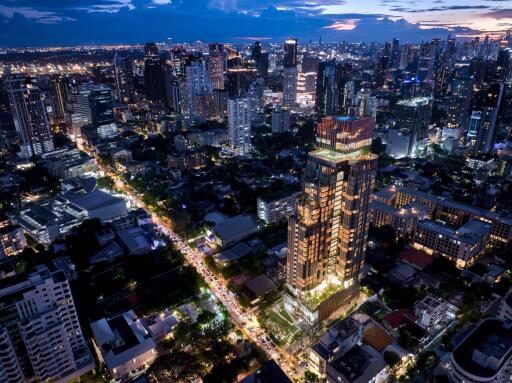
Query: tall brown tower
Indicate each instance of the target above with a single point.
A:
(327, 236)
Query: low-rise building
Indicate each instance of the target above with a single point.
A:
(67, 163)
(432, 310)
(339, 339)
(234, 229)
(276, 207)
(123, 344)
(12, 240)
(189, 159)
(484, 355)
(463, 245)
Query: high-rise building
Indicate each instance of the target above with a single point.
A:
(330, 88)
(280, 120)
(30, 117)
(123, 72)
(412, 122)
(154, 78)
(486, 137)
(290, 72)
(58, 91)
(290, 53)
(460, 99)
(260, 60)
(40, 331)
(198, 85)
(78, 109)
(100, 101)
(327, 236)
(216, 65)
(240, 111)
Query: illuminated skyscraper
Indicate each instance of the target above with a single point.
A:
(327, 236)
(30, 117)
(290, 72)
(240, 111)
(216, 65)
(123, 72)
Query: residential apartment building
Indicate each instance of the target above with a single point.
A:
(327, 235)
(40, 331)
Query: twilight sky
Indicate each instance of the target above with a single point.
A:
(70, 22)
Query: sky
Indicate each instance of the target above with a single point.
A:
(81, 22)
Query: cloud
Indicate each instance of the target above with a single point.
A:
(440, 9)
(503, 13)
(68, 22)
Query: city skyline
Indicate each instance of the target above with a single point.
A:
(43, 23)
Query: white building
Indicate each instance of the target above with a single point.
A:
(275, 208)
(38, 312)
(280, 120)
(123, 344)
(240, 112)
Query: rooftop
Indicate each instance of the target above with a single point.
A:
(492, 338)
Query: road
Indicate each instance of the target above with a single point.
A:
(245, 321)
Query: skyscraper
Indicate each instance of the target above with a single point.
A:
(58, 91)
(216, 65)
(39, 330)
(280, 120)
(330, 88)
(327, 236)
(123, 72)
(412, 122)
(100, 102)
(198, 84)
(240, 111)
(30, 117)
(154, 79)
(260, 60)
(486, 137)
(290, 72)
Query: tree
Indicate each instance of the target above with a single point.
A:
(391, 358)
(311, 377)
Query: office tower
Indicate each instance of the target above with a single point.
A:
(330, 88)
(123, 72)
(58, 91)
(412, 122)
(290, 53)
(39, 330)
(30, 117)
(260, 60)
(239, 123)
(240, 80)
(100, 101)
(78, 109)
(154, 79)
(327, 236)
(290, 72)
(486, 137)
(216, 65)
(280, 120)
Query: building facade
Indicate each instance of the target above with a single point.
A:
(30, 117)
(327, 236)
